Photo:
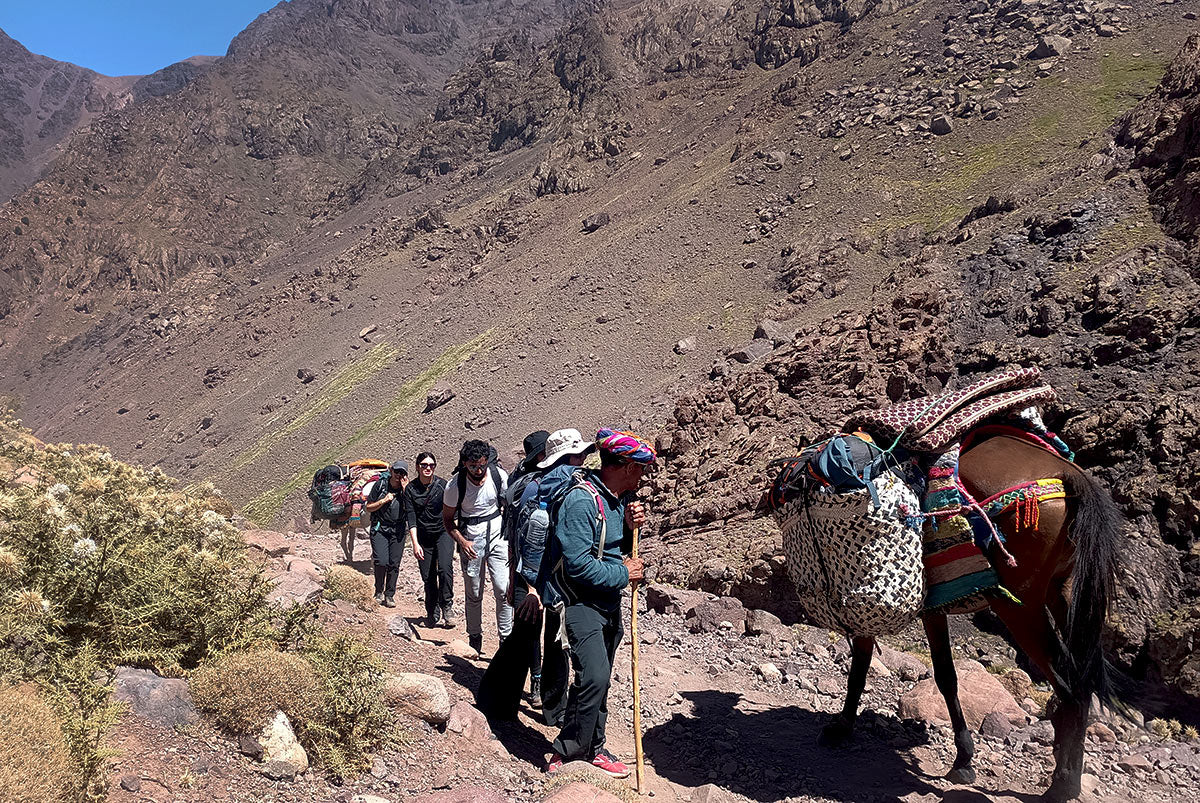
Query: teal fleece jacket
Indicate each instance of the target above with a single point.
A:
(593, 582)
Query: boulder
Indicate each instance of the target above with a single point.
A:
(367, 330)
(1048, 46)
(903, 665)
(777, 332)
(941, 125)
(1102, 733)
(707, 616)
(596, 221)
(979, 692)
(164, 701)
(775, 160)
(676, 601)
(1018, 683)
(753, 351)
(758, 622)
(711, 793)
(468, 721)
(423, 696)
(996, 725)
(770, 673)
(399, 626)
(294, 588)
(283, 757)
(438, 395)
(268, 542)
(461, 649)
(685, 346)
(306, 375)
(580, 792)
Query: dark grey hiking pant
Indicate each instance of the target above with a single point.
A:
(387, 548)
(437, 570)
(593, 636)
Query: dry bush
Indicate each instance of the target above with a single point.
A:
(34, 762)
(346, 582)
(243, 690)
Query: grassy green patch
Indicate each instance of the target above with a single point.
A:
(1125, 79)
(266, 506)
(1067, 113)
(338, 388)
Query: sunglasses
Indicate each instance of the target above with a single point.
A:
(426, 465)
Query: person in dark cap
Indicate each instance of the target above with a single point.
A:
(535, 451)
(389, 527)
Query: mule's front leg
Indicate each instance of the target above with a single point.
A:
(938, 632)
(841, 728)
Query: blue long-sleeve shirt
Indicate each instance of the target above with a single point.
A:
(588, 580)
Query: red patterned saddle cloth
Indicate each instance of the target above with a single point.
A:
(931, 425)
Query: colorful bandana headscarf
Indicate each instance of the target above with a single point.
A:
(626, 445)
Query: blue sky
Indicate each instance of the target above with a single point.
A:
(127, 37)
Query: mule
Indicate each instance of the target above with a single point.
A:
(1064, 576)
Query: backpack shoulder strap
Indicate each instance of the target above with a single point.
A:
(500, 502)
(582, 484)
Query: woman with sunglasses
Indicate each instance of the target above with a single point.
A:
(432, 546)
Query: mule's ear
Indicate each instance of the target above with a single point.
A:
(763, 508)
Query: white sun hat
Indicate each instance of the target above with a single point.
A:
(563, 442)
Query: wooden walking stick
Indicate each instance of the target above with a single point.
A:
(637, 691)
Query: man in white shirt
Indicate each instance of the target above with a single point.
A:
(472, 509)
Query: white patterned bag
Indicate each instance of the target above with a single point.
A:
(857, 566)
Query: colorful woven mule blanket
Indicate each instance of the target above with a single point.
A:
(958, 536)
(852, 550)
(933, 425)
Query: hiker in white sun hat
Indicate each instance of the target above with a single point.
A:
(564, 442)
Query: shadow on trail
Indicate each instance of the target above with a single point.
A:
(773, 754)
(521, 740)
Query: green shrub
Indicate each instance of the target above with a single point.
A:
(34, 761)
(348, 583)
(104, 564)
(353, 720)
(332, 691)
(118, 557)
(243, 690)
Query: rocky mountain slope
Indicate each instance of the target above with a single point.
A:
(1088, 275)
(271, 268)
(304, 97)
(45, 101)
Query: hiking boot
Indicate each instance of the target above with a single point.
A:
(431, 620)
(379, 597)
(534, 697)
(554, 764)
(448, 621)
(388, 602)
(607, 763)
(476, 643)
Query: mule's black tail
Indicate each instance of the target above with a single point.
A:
(1096, 532)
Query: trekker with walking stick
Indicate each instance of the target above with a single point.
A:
(593, 522)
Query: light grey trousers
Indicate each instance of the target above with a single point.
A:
(493, 561)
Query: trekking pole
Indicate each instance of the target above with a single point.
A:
(637, 690)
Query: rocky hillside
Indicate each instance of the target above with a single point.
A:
(1073, 275)
(264, 271)
(45, 101)
(305, 97)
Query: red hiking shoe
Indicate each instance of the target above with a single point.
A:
(555, 764)
(607, 763)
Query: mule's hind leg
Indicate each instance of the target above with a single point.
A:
(937, 630)
(841, 728)
(1032, 628)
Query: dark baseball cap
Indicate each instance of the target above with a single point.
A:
(400, 467)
